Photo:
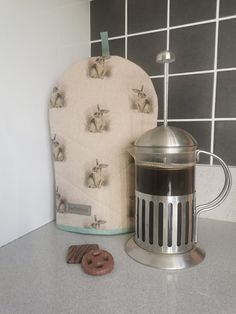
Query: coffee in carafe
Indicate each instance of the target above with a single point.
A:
(156, 180)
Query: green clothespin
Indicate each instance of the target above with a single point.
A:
(105, 44)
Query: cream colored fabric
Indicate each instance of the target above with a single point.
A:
(81, 142)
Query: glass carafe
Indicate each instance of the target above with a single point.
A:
(166, 215)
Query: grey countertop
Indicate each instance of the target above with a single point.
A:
(34, 277)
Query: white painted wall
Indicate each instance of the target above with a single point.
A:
(39, 39)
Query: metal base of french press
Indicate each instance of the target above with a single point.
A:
(165, 261)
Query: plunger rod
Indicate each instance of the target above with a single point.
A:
(166, 89)
(166, 57)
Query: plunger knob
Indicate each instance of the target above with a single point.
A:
(165, 57)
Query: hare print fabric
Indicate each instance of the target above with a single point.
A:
(97, 110)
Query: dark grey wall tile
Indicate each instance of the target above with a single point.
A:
(227, 44)
(201, 131)
(107, 15)
(146, 15)
(193, 48)
(225, 141)
(189, 11)
(143, 50)
(227, 7)
(159, 87)
(190, 96)
(117, 48)
(226, 95)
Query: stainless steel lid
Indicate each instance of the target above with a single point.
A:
(166, 137)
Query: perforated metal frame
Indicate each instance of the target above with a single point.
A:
(164, 236)
(164, 224)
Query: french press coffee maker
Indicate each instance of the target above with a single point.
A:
(166, 215)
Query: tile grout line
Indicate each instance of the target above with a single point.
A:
(225, 69)
(214, 82)
(198, 119)
(148, 32)
(90, 44)
(184, 73)
(166, 81)
(193, 24)
(194, 72)
(187, 120)
(170, 28)
(110, 38)
(156, 76)
(225, 119)
(225, 18)
(126, 28)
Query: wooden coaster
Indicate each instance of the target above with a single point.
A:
(76, 252)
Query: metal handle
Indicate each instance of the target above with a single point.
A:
(219, 199)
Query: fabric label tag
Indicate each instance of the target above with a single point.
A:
(79, 209)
